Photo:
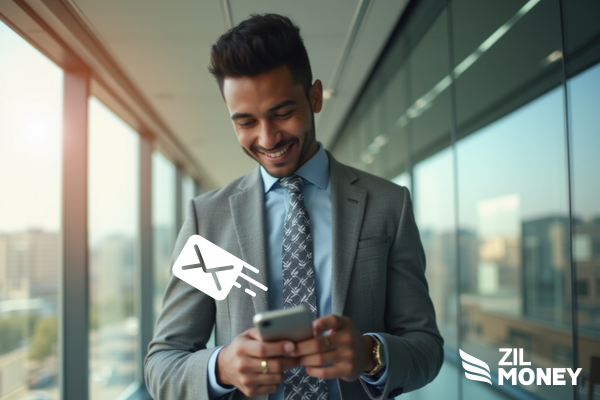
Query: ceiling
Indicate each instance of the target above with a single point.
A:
(163, 47)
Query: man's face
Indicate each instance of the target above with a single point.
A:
(273, 119)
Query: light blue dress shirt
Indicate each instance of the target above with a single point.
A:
(317, 198)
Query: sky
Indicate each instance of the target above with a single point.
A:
(30, 136)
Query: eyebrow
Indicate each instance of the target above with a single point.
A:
(276, 107)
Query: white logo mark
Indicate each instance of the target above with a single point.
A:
(210, 269)
(481, 368)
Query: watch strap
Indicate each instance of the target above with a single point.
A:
(377, 349)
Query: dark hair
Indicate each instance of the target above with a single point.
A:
(260, 44)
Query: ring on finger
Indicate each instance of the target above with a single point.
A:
(263, 366)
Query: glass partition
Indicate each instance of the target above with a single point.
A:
(511, 262)
(113, 214)
(512, 181)
(164, 224)
(582, 56)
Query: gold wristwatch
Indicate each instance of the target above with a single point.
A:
(378, 356)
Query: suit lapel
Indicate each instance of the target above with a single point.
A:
(247, 209)
(347, 208)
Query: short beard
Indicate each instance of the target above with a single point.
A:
(311, 138)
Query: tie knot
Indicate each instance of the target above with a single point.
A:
(292, 183)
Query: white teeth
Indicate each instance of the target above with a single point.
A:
(278, 153)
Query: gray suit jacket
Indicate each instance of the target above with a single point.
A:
(378, 281)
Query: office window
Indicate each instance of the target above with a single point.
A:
(512, 180)
(403, 180)
(582, 57)
(494, 70)
(31, 107)
(113, 213)
(390, 147)
(188, 192)
(164, 224)
(434, 213)
(428, 121)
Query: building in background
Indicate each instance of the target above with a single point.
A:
(29, 265)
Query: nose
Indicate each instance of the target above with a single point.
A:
(269, 135)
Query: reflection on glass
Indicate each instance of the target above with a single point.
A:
(113, 211)
(434, 213)
(512, 179)
(164, 224)
(428, 122)
(511, 200)
(583, 48)
(434, 207)
(31, 98)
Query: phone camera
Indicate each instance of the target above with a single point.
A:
(266, 324)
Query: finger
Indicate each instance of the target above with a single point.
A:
(332, 372)
(259, 349)
(315, 345)
(332, 321)
(321, 359)
(273, 365)
(253, 333)
(260, 379)
(258, 390)
(272, 349)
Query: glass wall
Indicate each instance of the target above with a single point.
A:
(31, 108)
(582, 56)
(512, 190)
(113, 213)
(164, 224)
(36, 97)
(188, 192)
(469, 107)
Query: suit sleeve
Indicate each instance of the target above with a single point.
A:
(177, 360)
(414, 342)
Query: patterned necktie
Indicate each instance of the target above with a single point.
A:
(299, 284)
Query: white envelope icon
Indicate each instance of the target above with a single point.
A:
(208, 268)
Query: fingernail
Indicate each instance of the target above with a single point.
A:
(288, 347)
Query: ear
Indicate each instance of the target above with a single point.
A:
(315, 96)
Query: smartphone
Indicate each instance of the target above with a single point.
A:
(293, 324)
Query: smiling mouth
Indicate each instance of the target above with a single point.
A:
(278, 153)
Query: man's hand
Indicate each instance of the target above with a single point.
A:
(239, 364)
(343, 353)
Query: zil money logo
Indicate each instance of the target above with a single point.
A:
(210, 269)
(476, 366)
(524, 376)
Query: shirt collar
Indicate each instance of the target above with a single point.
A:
(315, 171)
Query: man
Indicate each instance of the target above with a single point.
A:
(321, 233)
